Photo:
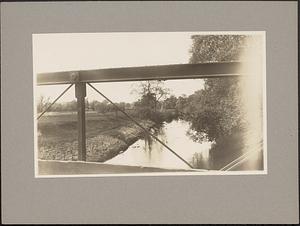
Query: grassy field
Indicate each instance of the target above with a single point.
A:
(107, 135)
(63, 128)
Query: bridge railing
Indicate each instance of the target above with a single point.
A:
(157, 72)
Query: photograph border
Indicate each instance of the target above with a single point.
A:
(272, 198)
(209, 172)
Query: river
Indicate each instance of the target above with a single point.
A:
(148, 152)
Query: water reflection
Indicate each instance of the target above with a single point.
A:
(148, 152)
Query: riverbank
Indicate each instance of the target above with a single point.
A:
(106, 138)
(106, 146)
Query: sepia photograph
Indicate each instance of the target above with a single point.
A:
(149, 112)
(149, 103)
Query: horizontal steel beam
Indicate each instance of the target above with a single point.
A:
(158, 72)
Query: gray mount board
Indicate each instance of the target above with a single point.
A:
(271, 198)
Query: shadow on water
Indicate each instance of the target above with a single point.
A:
(206, 155)
(234, 150)
(151, 147)
(149, 152)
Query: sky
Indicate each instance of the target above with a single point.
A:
(84, 51)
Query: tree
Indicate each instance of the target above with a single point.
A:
(145, 106)
(92, 105)
(181, 104)
(43, 103)
(217, 48)
(101, 107)
(216, 110)
(151, 92)
(170, 102)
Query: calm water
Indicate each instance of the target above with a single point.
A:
(148, 152)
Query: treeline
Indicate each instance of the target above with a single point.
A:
(101, 107)
(105, 106)
(155, 103)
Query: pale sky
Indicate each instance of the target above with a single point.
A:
(83, 51)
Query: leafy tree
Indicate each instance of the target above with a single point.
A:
(217, 48)
(181, 104)
(216, 110)
(170, 102)
(151, 92)
(145, 106)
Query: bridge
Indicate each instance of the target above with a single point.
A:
(83, 78)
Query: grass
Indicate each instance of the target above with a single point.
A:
(107, 135)
(63, 128)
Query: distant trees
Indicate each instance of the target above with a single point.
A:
(105, 107)
(67, 106)
(101, 107)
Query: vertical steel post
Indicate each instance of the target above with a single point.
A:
(80, 93)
